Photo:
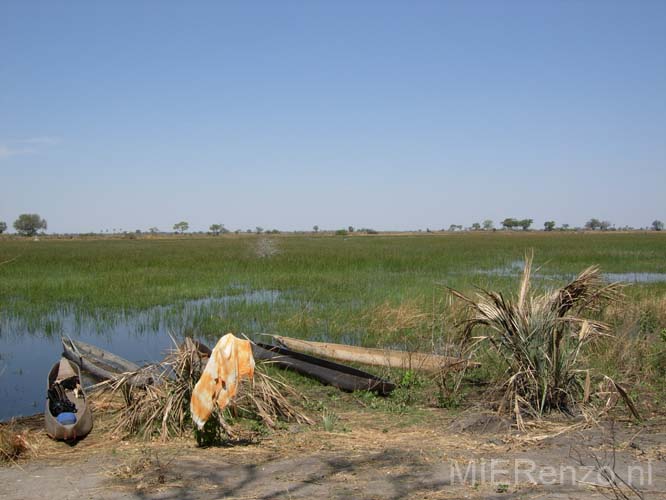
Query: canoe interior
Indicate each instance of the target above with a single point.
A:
(62, 370)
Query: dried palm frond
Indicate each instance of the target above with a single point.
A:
(163, 408)
(541, 337)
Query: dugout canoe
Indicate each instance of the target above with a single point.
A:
(327, 372)
(68, 376)
(378, 357)
(102, 364)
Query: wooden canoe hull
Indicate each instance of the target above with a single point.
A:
(84, 419)
(102, 364)
(327, 372)
(378, 357)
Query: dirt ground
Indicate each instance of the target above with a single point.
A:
(368, 455)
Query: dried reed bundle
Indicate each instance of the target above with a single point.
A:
(163, 408)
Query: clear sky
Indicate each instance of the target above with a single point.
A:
(283, 114)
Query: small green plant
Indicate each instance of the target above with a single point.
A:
(212, 433)
(502, 488)
(659, 354)
(329, 420)
(647, 322)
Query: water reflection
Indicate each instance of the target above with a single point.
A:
(26, 354)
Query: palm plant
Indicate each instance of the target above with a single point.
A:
(541, 336)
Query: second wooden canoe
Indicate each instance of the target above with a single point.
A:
(102, 364)
(327, 372)
(378, 357)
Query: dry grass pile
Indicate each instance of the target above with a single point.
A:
(13, 444)
(163, 408)
(541, 337)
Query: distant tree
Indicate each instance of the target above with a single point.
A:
(488, 225)
(453, 227)
(565, 227)
(315, 228)
(342, 232)
(509, 223)
(593, 224)
(350, 229)
(29, 224)
(153, 230)
(525, 223)
(216, 229)
(259, 229)
(476, 226)
(657, 225)
(181, 227)
(3, 227)
(549, 225)
(605, 225)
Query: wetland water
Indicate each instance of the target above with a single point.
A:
(28, 353)
(28, 350)
(515, 270)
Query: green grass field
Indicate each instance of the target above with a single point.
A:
(329, 286)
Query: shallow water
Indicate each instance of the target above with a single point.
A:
(27, 355)
(515, 269)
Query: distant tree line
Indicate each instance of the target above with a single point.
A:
(32, 224)
(511, 223)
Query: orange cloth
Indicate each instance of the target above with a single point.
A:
(230, 360)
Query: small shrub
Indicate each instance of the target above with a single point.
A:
(541, 337)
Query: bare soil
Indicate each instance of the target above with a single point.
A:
(369, 455)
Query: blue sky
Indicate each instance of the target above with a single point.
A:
(391, 115)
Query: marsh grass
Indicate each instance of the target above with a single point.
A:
(376, 291)
(330, 287)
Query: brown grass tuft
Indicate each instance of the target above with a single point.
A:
(13, 444)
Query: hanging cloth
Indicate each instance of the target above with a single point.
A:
(230, 360)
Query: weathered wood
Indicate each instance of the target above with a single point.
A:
(327, 372)
(103, 364)
(379, 357)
